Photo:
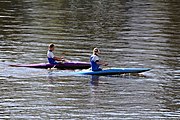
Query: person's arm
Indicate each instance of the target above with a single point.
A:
(61, 59)
(102, 63)
(58, 58)
(99, 62)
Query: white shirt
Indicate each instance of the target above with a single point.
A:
(94, 58)
(50, 54)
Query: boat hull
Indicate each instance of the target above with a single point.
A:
(66, 65)
(115, 71)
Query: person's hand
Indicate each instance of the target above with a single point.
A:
(105, 64)
(62, 59)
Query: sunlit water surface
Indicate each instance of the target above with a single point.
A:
(132, 33)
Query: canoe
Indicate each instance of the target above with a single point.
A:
(114, 71)
(65, 65)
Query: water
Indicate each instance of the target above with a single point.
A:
(132, 33)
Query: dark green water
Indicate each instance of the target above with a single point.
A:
(129, 33)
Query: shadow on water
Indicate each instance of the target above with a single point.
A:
(95, 78)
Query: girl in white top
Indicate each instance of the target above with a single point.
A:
(50, 55)
(95, 61)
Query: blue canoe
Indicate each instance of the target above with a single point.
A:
(114, 71)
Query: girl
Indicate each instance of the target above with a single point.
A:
(51, 58)
(95, 61)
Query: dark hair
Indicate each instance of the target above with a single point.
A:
(51, 45)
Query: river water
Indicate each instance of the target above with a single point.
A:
(129, 33)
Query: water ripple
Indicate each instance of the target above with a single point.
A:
(129, 34)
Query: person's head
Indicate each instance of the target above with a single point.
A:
(96, 51)
(51, 47)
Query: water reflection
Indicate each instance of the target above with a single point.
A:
(94, 80)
